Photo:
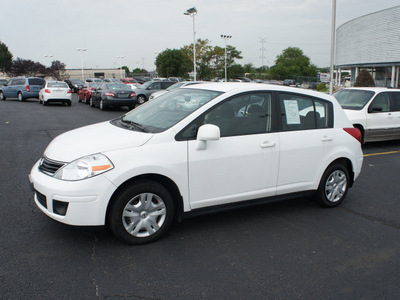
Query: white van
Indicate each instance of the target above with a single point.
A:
(194, 149)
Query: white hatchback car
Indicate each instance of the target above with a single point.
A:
(375, 111)
(55, 91)
(198, 148)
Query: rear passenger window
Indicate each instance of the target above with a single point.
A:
(395, 101)
(302, 113)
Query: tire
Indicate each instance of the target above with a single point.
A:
(86, 101)
(141, 213)
(141, 99)
(91, 102)
(69, 103)
(44, 103)
(333, 186)
(2, 97)
(102, 105)
(20, 97)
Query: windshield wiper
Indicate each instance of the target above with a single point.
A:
(134, 124)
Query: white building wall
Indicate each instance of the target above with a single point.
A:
(370, 39)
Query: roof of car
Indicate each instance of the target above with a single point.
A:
(249, 86)
(374, 89)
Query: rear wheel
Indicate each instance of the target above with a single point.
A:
(86, 100)
(141, 213)
(2, 97)
(20, 97)
(141, 99)
(102, 105)
(91, 101)
(333, 186)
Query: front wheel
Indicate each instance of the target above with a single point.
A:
(91, 102)
(141, 213)
(86, 101)
(102, 105)
(333, 186)
(2, 97)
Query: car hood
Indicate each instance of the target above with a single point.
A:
(97, 138)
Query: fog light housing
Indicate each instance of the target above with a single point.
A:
(60, 208)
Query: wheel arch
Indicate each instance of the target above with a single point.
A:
(169, 184)
(347, 163)
(361, 128)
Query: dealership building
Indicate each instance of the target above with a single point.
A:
(371, 42)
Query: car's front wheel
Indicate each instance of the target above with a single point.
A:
(141, 213)
(102, 105)
(91, 102)
(334, 185)
(2, 97)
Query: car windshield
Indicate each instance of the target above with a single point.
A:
(76, 81)
(146, 84)
(94, 85)
(117, 86)
(161, 114)
(353, 99)
(57, 85)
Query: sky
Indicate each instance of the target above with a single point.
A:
(138, 30)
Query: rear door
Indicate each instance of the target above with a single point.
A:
(395, 108)
(306, 130)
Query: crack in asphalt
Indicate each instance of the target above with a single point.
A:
(91, 273)
(381, 221)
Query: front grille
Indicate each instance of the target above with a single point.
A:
(41, 199)
(50, 167)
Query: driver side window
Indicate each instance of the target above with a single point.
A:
(381, 103)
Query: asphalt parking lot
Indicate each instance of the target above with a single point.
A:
(286, 250)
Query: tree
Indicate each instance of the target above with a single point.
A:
(235, 71)
(5, 58)
(364, 79)
(291, 63)
(127, 72)
(26, 67)
(56, 70)
(172, 62)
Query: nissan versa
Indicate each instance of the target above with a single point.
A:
(195, 149)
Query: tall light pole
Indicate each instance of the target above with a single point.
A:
(226, 37)
(81, 50)
(332, 43)
(120, 65)
(192, 12)
(49, 56)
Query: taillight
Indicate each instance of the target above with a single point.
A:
(110, 94)
(27, 88)
(355, 133)
(69, 92)
(132, 95)
(47, 91)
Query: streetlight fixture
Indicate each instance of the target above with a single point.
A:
(226, 37)
(192, 12)
(81, 50)
(49, 56)
(120, 64)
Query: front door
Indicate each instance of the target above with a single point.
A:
(243, 163)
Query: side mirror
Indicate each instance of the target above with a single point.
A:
(207, 132)
(375, 109)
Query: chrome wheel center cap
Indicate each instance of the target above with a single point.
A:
(143, 215)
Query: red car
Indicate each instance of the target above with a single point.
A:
(129, 81)
(85, 92)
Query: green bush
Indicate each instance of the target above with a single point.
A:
(321, 87)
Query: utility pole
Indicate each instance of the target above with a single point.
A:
(263, 41)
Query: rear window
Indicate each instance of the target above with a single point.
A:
(57, 84)
(36, 81)
(353, 99)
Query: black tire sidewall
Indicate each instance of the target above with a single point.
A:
(321, 197)
(124, 196)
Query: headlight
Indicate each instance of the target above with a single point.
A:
(85, 167)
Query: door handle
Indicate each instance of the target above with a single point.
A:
(267, 145)
(327, 138)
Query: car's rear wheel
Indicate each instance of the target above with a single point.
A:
(334, 185)
(91, 102)
(102, 105)
(20, 97)
(141, 213)
(2, 97)
(86, 100)
(141, 99)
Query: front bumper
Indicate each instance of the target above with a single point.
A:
(85, 202)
